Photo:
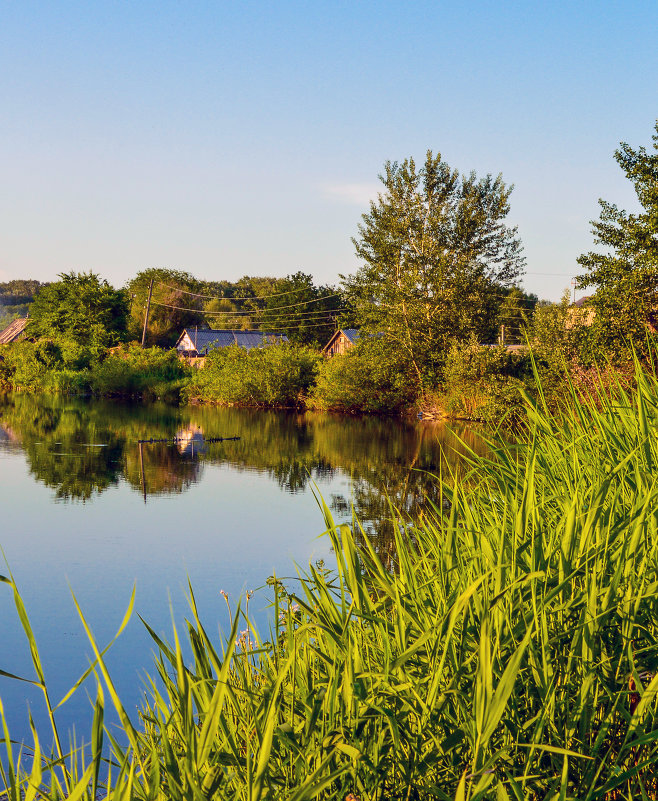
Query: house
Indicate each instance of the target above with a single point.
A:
(581, 312)
(13, 331)
(200, 341)
(341, 341)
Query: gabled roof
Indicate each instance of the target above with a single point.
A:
(208, 338)
(351, 333)
(13, 330)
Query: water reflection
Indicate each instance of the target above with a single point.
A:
(82, 448)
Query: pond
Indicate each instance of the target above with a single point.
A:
(87, 506)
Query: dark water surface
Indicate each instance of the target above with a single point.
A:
(85, 507)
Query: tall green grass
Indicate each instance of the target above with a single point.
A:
(511, 652)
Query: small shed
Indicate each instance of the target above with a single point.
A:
(13, 331)
(341, 341)
(199, 342)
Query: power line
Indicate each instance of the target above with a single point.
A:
(246, 297)
(289, 327)
(256, 315)
(310, 324)
(240, 312)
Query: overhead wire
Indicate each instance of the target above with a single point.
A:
(257, 314)
(225, 297)
(242, 311)
(293, 291)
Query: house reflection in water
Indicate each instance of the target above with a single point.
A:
(190, 441)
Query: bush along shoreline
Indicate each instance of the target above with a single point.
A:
(478, 383)
(510, 651)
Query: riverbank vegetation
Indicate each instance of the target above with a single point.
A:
(64, 366)
(508, 651)
(277, 376)
(438, 286)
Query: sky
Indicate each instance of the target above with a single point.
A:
(245, 138)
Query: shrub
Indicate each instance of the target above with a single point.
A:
(132, 371)
(485, 383)
(278, 375)
(366, 379)
(29, 365)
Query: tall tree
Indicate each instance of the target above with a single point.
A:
(436, 253)
(237, 304)
(305, 312)
(81, 307)
(172, 307)
(625, 275)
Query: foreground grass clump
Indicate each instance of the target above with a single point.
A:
(510, 652)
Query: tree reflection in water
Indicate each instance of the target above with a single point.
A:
(80, 448)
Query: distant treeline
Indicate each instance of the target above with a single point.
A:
(307, 313)
(438, 285)
(15, 298)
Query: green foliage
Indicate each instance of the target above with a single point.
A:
(68, 367)
(277, 375)
(20, 290)
(169, 302)
(15, 299)
(135, 372)
(514, 316)
(550, 332)
(238, 304)
(306, 313)
(511, 652)
(10, 312)
(30, 365)
(485, 383)
(369, 378)
(625, 275)
(436, 256)
(80, 307)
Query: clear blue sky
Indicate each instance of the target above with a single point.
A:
(231, 138)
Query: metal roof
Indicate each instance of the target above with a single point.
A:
(207, 339)
(351, 333)
(13, 330)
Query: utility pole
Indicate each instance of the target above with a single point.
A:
(146, 316)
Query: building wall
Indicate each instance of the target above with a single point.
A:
(339, 346)
(185, 345)
(583, 315)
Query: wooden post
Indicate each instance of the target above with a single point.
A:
(141, 467)
(146, 316)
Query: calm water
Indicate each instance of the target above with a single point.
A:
(85, 507)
